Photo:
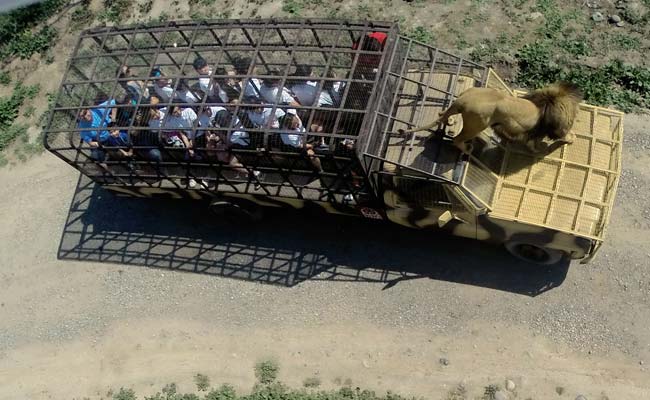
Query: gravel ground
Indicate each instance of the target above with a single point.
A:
(87, 275)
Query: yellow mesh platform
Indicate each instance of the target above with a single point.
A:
(570, 190)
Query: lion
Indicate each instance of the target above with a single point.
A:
(546, 112)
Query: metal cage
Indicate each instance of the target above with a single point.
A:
(268, 107)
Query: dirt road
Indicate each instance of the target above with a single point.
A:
(328, 297)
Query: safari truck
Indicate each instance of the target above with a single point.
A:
(307, 114)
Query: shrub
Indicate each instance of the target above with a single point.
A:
(81, 16)
(5, 78)
(225, 392)
(124, 394)
(266, 371)
(16, 37)
(202, 382)
(115, 11)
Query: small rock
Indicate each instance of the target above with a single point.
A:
(444, 361)
(615, 19)
(535, 15)
(581, 397)
(620, 24)
(559, 390)
(640, 362)
(598, 16)
(510, 385)
(500, 395)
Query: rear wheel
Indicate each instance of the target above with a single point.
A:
(535, 254)
(237, 211)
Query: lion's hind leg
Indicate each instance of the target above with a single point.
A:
(472, 126)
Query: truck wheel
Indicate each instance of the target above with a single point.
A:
(534, 254)
(238, 212)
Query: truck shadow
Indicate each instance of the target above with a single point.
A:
(286, 248)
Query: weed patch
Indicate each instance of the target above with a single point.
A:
(266, 371)
(115, 11)
(16, 36)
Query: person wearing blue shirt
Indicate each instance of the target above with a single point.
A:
(96, 117)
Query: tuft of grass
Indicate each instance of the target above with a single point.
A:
(82, 16)
(490, 392)
(5, 78)
(311, 382)
(266, 371)
(17, 37)
(625, 42)
(293, 7)
(202, 382)
(29, 42)
(115, 11)
(421, 34)
(124, 394)
(9, 108)
(225, 392)
(457, 393)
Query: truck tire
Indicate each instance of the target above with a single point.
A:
(535, 254)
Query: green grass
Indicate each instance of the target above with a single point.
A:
(5, 78)
(17, 37)
(275, 391)
(9, 108)
(202, 382)
(115, 11)
(421, 34)
(292, 7)
(266, 371)
(81, 17)
(311, 382)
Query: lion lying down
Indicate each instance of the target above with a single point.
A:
(547, 112)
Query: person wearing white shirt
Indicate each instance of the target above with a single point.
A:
(293, 135)
(272, 92)
(207, 84)
(162, 86)
(305, 92)
(261, 116)
(205, 122)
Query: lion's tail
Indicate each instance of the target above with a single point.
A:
(558, 104)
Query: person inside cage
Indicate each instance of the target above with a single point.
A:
(227, 119)
(306, 91)
(178, 126)
(293, 137)
(229, 133)
(367, 64)
(136, 88)
(229, 86)
(186, 94)
(162, 85)
(204, 122)
(118, 145)
(98, 118)
(273, 92)
(261, 115)
(250, 86)
(207, 84)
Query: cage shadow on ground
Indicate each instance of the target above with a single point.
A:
(286, 248)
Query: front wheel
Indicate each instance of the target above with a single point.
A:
(535, 254)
